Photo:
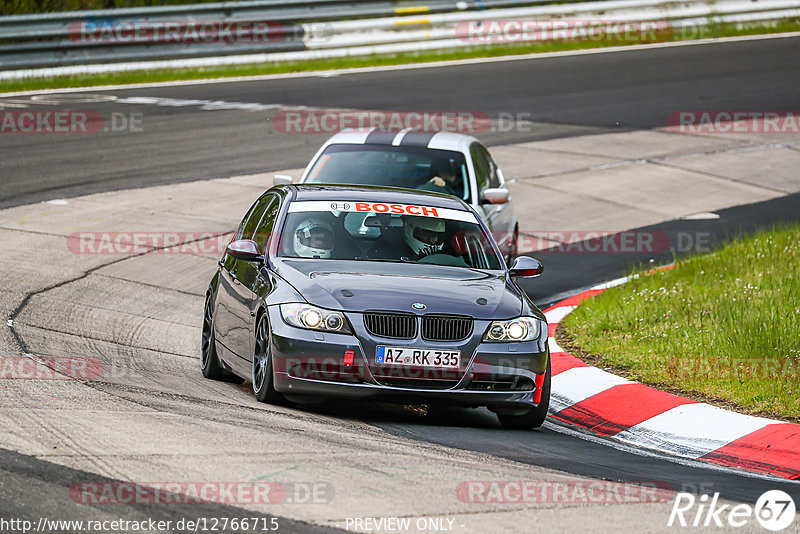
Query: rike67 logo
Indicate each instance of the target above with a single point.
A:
(774, 510)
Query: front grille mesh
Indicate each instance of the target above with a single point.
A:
(446, 327)
(393, 325)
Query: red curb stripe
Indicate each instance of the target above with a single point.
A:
(574, 300)
(551, 329)
(563, 361)
(619, 408)
(774, 450)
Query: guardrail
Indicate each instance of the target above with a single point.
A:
(255, 31)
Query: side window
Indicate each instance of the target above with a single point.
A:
(482, 167)
(240, 230)
(494, 180)
(267, 224)
(247, 230)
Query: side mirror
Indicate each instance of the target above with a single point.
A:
(244, 249)
(526, 266)
(281, 179)
(496, 195)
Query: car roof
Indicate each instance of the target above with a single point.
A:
(433, 140)
(368, 193)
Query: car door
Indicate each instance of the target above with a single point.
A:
(486, 176)
(232, 313)
(254, 276)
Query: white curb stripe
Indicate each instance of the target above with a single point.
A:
(578, 384)
(692, 430)
(556, 314)
(554, 346)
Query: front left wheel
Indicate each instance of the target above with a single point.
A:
(263, 381)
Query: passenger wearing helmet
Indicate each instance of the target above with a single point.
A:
(423, 235)
(313, 239)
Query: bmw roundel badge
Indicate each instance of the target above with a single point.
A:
(418, 306)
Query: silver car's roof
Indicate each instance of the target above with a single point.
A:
(436, 140)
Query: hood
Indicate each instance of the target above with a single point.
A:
(359, 286)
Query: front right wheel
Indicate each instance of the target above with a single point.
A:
(535, 417)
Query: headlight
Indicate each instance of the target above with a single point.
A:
(313, 318)
(519, 329)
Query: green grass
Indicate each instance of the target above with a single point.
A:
(150, 76)
(722, 327)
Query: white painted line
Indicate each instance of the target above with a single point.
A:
(704, 216)
(579, 383)
(410, 66)
(612, 283)
(556, 314)
(692, 430)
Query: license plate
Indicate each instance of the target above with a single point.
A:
(449, 359)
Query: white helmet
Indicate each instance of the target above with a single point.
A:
(313, 238)
(424, 235)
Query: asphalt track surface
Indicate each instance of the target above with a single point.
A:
(566, 96)
(573, 95)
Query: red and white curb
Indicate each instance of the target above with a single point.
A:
(636, 414)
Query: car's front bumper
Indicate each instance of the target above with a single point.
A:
(498, 375)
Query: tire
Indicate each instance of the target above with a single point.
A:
(209, 362)
(262, 377)
(536, 416)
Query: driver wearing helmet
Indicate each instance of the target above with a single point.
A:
(313, 239)
(423, 235)
(446, 179)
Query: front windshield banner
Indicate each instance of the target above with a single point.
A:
(381, 207)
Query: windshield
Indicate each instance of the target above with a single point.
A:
(427, 169)
(374, 231)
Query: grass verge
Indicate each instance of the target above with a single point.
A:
(163, 75)
(723, 327)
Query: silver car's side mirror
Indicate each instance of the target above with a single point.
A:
(281, 179)
(496, 195)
